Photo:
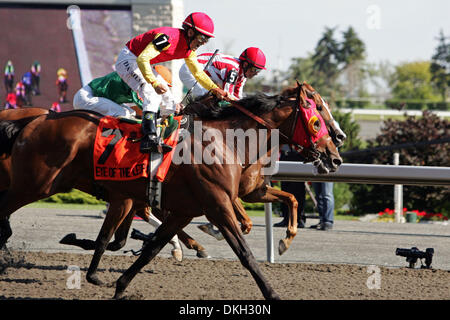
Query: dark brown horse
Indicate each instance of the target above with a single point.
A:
(53, 154)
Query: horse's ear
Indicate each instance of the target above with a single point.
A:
(298, 83)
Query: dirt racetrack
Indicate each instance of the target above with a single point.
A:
(39, 275)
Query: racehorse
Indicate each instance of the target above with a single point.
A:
(27, 115)
(254, 187)
(53, 154)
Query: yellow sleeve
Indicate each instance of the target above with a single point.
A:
(198, 73)
(143, 62)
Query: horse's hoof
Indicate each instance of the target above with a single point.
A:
(177, 254)
(93, 279)
(208, 229)
(118, 296)
(203, 254)
(282, 247)
(68, 239)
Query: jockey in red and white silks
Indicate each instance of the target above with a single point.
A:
(160, 45)
(228, 72)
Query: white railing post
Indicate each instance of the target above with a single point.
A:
(398, 194)
(269, 232)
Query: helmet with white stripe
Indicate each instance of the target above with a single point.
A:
(201, 22)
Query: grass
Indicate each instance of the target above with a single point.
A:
(66, 206)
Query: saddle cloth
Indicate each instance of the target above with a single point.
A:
(116, 153)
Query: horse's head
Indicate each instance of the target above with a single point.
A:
(335, 131)
(308, 132)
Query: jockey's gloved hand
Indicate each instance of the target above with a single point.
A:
(220, 94)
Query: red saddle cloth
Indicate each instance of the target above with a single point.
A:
(117, 157)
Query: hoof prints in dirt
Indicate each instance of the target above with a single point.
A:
(12, 260)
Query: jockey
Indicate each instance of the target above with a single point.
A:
(11, 101)
(55, 107)
(9, 76)
(160, 45)
(36, 73)
(109, 95)
(229, 73)
(61, 83)
(20, 94)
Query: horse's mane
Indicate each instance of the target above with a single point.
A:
(258, 104)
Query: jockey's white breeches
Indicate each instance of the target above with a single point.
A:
(189, 82)
(128, 70)
(84, 99)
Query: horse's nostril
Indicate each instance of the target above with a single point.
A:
(337, 162)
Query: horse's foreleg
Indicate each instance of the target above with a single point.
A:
(228, 225)
(117, 212)
(275, 195)
(10, 201)
(177, 251)
(121, 234)
(160, 238)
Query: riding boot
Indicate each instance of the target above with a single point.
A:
(151, 142)
(150, 139)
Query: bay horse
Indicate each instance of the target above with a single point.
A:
(25, 116)
(53, 154)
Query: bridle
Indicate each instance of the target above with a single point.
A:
(310, 153)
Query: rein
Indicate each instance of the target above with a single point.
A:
(264, 123)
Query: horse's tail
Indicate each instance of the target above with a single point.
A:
(9, 130)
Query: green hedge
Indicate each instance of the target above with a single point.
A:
(74, 196)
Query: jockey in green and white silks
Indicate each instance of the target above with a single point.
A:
(109, 95)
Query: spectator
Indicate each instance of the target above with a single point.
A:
(296, 188)
(9, 77)
(325, 205)
(36, 74)
(61, 83)
(55, 107)
(11, 101)
(20, 94)
(27, 80)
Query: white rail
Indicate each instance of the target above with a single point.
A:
(355, 173)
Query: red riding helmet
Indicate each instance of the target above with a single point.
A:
(201, 22)
(255, 57)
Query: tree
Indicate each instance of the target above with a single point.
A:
(412, 80)
(440, 67)
(326, 60)
(351, 58)
(375, 198)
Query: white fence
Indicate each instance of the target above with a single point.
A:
(355, 173)
(389, 112)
